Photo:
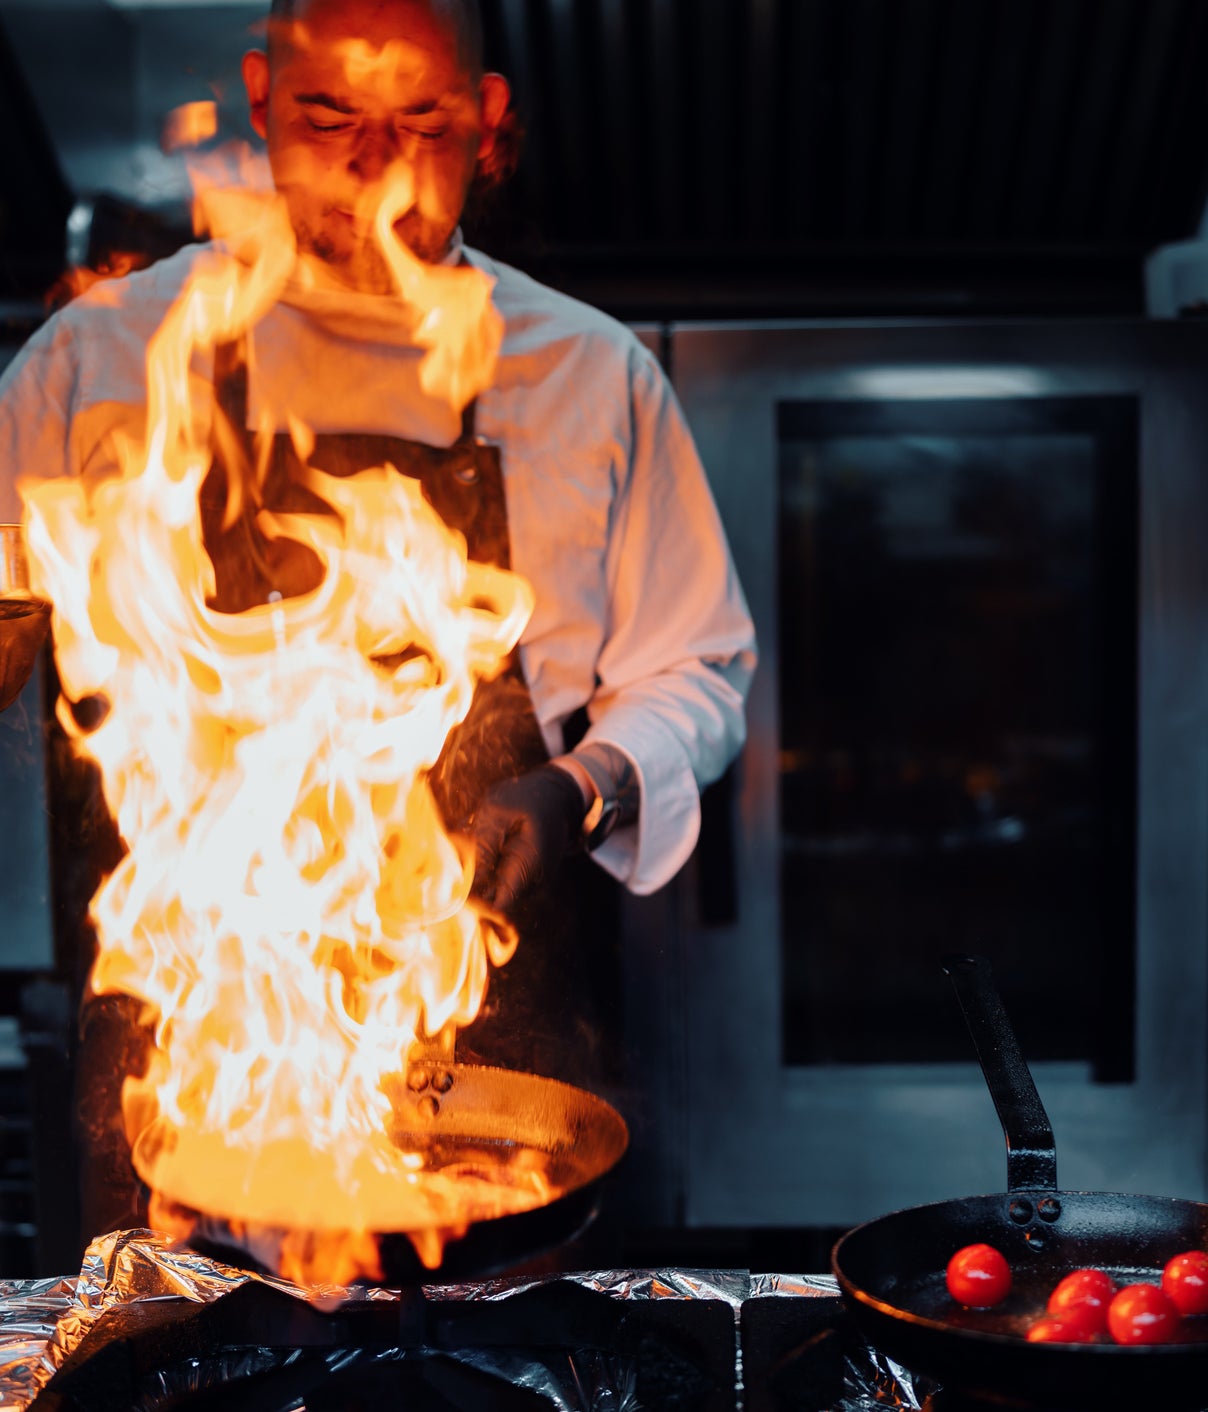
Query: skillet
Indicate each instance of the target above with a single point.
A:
(474, 1118)
(891, 1270)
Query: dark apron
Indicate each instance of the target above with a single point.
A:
(540, 1013)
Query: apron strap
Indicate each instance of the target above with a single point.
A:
(230, 383)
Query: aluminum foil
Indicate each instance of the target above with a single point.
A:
(873, 1382)
(30, 1311)
(43, 1321)
(800, 1286)
(730, 1286)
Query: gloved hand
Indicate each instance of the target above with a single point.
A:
(523, 829)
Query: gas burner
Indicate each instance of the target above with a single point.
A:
(155, 1327)
(262, 1349)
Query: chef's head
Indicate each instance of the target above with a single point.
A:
(350, 89)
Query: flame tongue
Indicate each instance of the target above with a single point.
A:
(290, 907)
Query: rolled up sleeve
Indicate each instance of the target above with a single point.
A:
(679, 654)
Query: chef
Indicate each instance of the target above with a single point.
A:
(574, 468)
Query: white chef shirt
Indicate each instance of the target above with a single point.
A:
(639, 614)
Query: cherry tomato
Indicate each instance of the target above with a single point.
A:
(1142, 1314)
(1082, 1298)
(1051, 1329)
(1185, 1281)
(978, 1276)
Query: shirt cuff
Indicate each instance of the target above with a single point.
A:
(647, 855)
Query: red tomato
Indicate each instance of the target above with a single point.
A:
(1051, 1329)
(979, 1276)
(1142, 1314)
(1082, 1298)
(1185, 1281)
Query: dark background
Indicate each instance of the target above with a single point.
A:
(684, 159)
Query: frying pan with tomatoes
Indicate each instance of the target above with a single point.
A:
(892, 1270)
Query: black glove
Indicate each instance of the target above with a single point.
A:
(522, 830)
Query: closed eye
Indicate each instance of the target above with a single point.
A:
(425, 134)
(327, 113)
(328, 127)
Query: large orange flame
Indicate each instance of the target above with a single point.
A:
(290, 908)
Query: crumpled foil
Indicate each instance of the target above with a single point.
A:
(30, 1311)
(730, 1286)
(43, 1321)
(800, 1286)
(874, 1382)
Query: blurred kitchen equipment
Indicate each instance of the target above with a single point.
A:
(972, 553)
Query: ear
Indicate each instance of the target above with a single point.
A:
(255, 80)
(495, 95)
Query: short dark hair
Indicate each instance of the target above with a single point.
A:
(466, 17)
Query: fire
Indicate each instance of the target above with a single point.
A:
(290, 908)
(189, 125)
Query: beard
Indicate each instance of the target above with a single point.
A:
(356, 260)
(362, 267)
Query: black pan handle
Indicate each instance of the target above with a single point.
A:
(1031, 1154)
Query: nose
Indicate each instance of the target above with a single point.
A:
(378, 148)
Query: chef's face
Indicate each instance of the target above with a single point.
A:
(351, 93)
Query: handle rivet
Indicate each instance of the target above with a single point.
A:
(1048, 1208)
(1020, 1211)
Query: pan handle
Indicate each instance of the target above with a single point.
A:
(1031, 1155)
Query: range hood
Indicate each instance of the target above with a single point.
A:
(768, 157)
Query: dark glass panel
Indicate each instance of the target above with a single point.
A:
(957, 657)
